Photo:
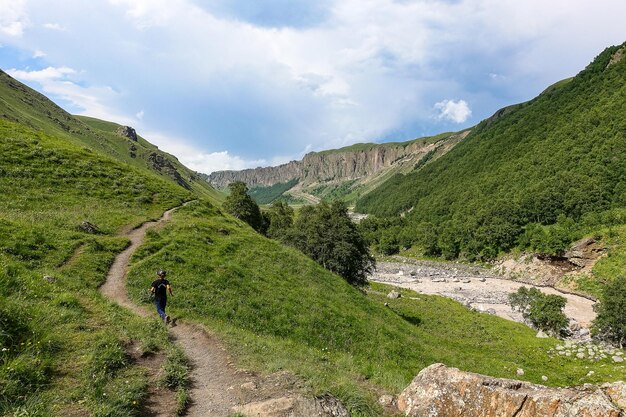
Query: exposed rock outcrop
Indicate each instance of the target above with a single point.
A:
(127, 132)
(442, 391)
(163, 165)
(342, 164)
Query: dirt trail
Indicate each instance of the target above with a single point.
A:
(215, 384)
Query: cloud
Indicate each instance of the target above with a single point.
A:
(453, 111)
(259, 80)
(199, 160)
(45, 75)
(13, 18)
(54, 26)
(91, 101)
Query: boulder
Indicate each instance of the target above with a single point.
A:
(87, 227)
(542, 335)
(324, 406)
(616, 392)
(442, 391)
(127, 132)
(394, 294)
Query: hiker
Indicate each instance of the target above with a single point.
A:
(159, 288)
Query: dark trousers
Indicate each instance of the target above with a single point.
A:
(160, 306)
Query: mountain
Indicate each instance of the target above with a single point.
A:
(345, 173)
(537, 175)
(23, 105)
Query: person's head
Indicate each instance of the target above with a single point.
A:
(161, 273)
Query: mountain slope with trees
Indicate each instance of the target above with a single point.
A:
(536, 175)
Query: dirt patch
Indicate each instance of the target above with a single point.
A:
(160, 401)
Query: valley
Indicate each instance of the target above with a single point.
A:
(89, 210)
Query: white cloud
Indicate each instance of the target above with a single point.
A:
(453, 111)
(371, 69)
(13, 18)
(199, 160)
(41, 76)
(89, 101)
(54, 26)
(39, 53)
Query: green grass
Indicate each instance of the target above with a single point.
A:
(63, 348)
(266, 195)
(278, 310)
(19, 103)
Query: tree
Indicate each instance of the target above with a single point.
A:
(326, 234)
(610, 323)
(543, 311)
(280, 219)
(242, 206)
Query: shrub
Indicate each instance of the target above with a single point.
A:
(543, 311)
(610, 323)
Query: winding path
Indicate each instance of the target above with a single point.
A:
(214, 383)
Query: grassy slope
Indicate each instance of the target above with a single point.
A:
(19, 103)
(63, 348)
(561, 153)
(279, 310)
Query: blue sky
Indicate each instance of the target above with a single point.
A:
(242, 83)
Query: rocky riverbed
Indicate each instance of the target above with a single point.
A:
(477, 288)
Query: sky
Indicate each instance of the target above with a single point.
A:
(245, 83)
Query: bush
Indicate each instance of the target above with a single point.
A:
(543, 311)
(610, 323)
(242, 206)
(327, 235)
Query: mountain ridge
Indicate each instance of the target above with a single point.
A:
(352, 167)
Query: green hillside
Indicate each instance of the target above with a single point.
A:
(537, 175)
(21, 104)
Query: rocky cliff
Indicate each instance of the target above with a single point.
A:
(442, 391)
(350, 163)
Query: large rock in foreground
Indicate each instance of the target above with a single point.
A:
(442, 391)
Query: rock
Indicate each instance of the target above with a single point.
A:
(574, 326)
(617, 359)
(50, 279)
(325, 406)
(590, 373)
(491, 311)
(386, 401)
(394, 294)
(544, 378)
(87, 227)
(250, 386)
(316, 168)
(442, 391)
(583, 332)
(616, 391)
(400, 273)
(541, 335)
(482, 279)
(455, 280)
(519, 372)
(580, 355)
(466, 281)
(584, 252)
(127, 132)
